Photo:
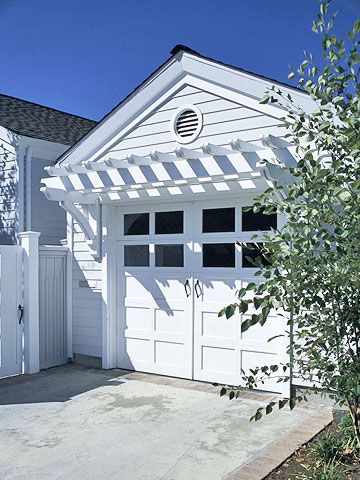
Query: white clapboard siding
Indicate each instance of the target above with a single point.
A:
(223, 120)
(167, 145)
(47, 217)
(250, 129)
(214, 106)
(8, 190)
(87, 304)
(186, 90)
(235, 119)
(194, 99)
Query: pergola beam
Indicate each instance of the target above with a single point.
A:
(184, 167)
(208, 150)
(245, 147)
(88, 196)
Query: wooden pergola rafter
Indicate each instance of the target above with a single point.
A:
(235, 168)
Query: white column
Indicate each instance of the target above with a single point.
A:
(30, 243)
(27, 204)
(286, 387)
(109, 288)
(69, 283)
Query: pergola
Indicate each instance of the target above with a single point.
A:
(239, 167)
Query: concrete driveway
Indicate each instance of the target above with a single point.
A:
(74, 422)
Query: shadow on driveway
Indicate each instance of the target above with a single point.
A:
(58, 384)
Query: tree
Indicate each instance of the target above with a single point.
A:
(312, 273)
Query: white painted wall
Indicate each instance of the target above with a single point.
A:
(22, 205)
(40, 214)
(223, 121)
(47, 217)
(87, 303)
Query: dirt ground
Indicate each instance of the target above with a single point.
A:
(303, 461)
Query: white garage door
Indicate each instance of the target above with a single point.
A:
(178, 265)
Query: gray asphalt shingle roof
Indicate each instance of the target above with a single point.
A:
(37, 121)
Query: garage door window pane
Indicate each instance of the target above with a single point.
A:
(136, 224)
(218, 255)
(252, 221)
(219, 220)
(136, 255)
(169, 255)
(169, 222)
(252, 253)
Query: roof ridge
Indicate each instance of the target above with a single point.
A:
(184, 48)
(48, 108)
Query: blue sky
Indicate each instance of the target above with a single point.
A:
(84, 56)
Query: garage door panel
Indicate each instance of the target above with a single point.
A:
(138, 287)
(169, 321)
(221, 350)
(217, 327)
(158, 325)
(169, 353)
(168, 288)
(138, 318)
(215, 342)
(138, 350)
(258, 346)
(218, 359)
(250, 359)
(137, 302)
(261, 333)
(218, 290)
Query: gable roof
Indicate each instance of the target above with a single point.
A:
(184, 48)
(183, 62)
(45, 123)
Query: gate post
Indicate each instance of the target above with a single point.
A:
(30, 243)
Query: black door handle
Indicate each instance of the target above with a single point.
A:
(187, 288)
(197, 289)
(21, 310)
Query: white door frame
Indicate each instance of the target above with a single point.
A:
(109, 287)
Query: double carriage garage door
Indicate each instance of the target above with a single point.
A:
(177, 266)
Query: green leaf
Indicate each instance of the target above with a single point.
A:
(230, 310)
(292, 403)
(258, 302)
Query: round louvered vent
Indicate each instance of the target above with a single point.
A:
(186, 123)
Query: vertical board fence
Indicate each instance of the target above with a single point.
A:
(10, 299)
(35, 306)
(53, 306)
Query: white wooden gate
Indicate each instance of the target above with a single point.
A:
(10, 300)
(53, 306)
